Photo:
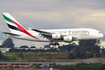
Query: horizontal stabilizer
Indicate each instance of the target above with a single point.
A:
(10, 34)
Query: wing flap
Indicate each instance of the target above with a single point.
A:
(44, 33)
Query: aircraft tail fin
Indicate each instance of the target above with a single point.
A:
(12, 23)
(14, 26)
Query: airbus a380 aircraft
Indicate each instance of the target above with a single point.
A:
(54, 36)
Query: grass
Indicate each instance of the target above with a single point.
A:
(38, 57)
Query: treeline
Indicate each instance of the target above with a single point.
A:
(32, 50)
(3, 57)
(81, 66)
(85, 49)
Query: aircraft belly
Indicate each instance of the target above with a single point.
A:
(30, 38)
(86, 37)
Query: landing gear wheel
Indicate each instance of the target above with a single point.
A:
(56, 43)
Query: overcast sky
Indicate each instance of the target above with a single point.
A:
(51, 14)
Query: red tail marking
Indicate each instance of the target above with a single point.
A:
(23, 30)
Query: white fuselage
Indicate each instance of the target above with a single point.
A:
(53, 35)
(77, 34)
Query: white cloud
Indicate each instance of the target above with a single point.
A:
(29, 43)
(64, 19)
(55, 14)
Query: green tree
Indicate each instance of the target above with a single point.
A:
(89, 43)
(103, 54)
(98, 66)
(68, 48)
(32, 66)
(90, 55)
(77, 52)
(21, 55)
(17, 67)
(8, 43)
(72, 55)
(1, 46)
(50, 65)
(37, 65)
(88, 47)
(98, 55)
(103, 66)
(68, 67)
(1, 56)
(11, 67)
(96, 49)
(83, 55)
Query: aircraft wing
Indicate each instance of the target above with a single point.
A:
(40, 31)
(44, 33)
(48, 35)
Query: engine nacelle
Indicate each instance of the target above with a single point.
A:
(56, 36)
(67, 38)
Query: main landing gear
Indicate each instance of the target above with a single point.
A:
(52, 43)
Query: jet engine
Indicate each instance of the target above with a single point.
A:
(67, 38)
(56, 36)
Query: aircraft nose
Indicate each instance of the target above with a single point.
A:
(101, 35)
